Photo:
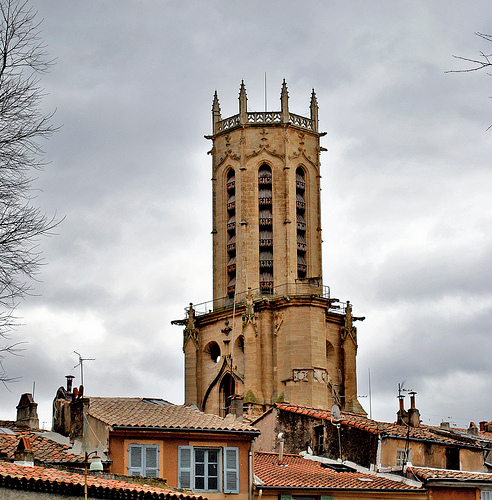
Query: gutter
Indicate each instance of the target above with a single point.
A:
(185, 429)
(326, 488)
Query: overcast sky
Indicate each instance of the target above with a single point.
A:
(406, 187)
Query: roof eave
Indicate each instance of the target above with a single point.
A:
(253, 433)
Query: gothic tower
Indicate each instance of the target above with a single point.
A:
(272, 332)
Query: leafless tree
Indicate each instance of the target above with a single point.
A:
(23, 59)
(484, 61)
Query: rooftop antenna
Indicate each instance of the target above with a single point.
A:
(265, 94)
(81, 364)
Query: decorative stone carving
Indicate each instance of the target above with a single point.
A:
(349, 330)
(249, 315)
(320, 376)
(278, 319)
(300, 375)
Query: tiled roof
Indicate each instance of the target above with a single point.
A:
(427, 474)
(424, 432)
(298, 472)
(60, 481)
(138, 412)
(45, 449)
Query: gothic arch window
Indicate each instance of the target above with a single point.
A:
(301, 223)
(265, 222)
(227, 390)
(212, 349)
(231, 232)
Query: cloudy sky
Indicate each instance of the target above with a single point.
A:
(405, 190)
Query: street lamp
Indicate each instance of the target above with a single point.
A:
(96, 464)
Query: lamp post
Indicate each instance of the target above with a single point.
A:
(96, 464)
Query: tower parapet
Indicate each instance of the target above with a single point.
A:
(267, 118)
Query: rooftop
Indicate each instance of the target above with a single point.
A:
(423, 432)
(427, 474)
(44, 448)
(63, 482)
(160, 414)
(298, 472)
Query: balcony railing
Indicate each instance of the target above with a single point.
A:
(264, 118)
(298, 289)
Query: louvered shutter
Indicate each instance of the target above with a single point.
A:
(151, 461)
(185, 467)
(135, 458)
(231, 470)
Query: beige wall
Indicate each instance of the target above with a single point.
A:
(168, 455)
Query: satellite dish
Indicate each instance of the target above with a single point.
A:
(335, 412)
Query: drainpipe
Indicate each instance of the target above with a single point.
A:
(378, 454)
(250, 460)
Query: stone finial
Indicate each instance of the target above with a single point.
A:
(243, 104)
(314, 110)
(284, 103)
(216, 117)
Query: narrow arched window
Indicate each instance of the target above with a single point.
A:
(231, 232)
(301, 223)
(265, 216)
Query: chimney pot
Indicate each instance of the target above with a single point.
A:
(69, 382)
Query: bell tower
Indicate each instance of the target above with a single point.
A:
(272, 331)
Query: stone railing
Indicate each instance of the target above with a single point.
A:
(264, 118)
(298, 289)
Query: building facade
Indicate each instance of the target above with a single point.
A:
(272, 331)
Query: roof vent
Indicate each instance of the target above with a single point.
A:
(338, 467)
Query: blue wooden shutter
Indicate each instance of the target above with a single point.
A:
(231, 470)
(185, 467)
(135, 460)
(151, 461)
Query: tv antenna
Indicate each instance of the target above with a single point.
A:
(81, 364)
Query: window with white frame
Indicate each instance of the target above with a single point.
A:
(143, 460)
(486, 495)
(208, 469)
(402, 456)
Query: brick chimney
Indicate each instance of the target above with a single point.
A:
(402, 414)
(413, 412)
(27, 412)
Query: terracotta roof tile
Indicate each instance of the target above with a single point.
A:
(298, 472)
(426, 474)
(45, 449)
(50, 476)
(139, 412)
(424, 432)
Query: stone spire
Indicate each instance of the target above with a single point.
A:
(243, 104)
(215, 112)
(314, 111)
(284, 103)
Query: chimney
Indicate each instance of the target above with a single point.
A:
(482, 425)
(445, 426)
(401, 415)
(472, 429)
(69, 382)
(413, 412)
(237, 407)
(23, 454)
(280, 447)
(27, 412)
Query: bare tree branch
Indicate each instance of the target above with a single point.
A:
(23, 59)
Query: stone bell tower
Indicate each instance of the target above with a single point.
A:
(272, 332)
